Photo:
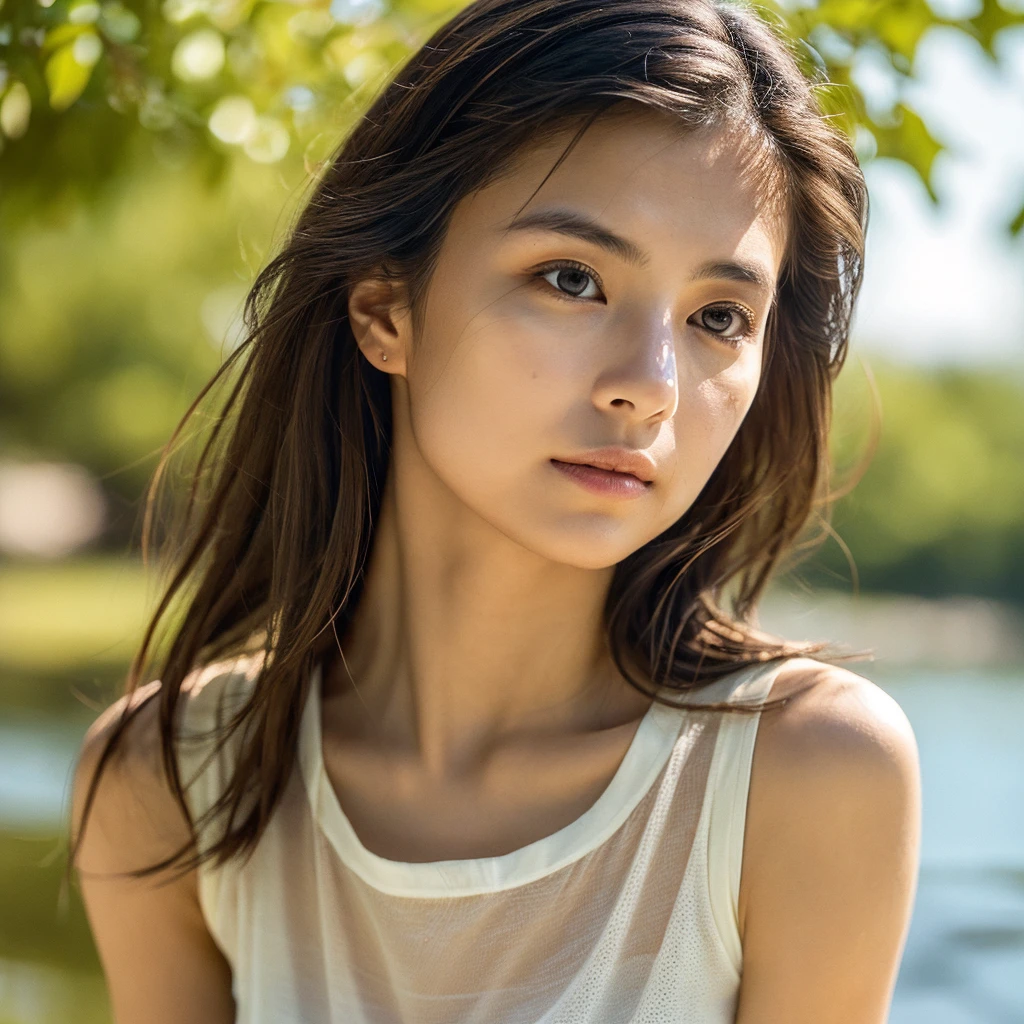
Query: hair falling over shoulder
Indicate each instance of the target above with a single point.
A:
(268, 552)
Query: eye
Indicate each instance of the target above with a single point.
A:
(570, 280)
(730, 322)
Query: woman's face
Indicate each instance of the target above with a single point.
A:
(620, 315)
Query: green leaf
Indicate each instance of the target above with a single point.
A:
(65, 77)
(992, 19)
(900, 27)
(909, 140)
(62, 34)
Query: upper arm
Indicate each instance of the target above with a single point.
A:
(160, 961)
(830, 853)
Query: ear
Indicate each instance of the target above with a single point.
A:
(378, 310)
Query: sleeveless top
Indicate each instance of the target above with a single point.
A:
(627, 914)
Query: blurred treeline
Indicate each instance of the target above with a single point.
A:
(940, 508)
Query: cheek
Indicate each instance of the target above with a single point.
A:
(456, 406)
(493, 368)
(483, 397)
(711, 410)
(728, 396)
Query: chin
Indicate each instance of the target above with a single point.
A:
(595, 543)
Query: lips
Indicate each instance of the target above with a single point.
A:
(608, 483)
(606, 469)
(613, 468)
(630, 462)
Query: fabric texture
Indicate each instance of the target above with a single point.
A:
(627, 914)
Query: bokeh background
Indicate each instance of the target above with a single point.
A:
(151, 154)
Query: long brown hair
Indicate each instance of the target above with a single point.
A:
(273, 541)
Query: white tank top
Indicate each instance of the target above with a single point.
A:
(627, 914)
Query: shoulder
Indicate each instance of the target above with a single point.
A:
(837, 760)
(130, 783)
(836, 728)
(123, 815)
(204, 693)
(159, 957)
(832, 832)
(830, 850)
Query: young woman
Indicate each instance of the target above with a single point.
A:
(452, 725)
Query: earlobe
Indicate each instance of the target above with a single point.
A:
(378, 314)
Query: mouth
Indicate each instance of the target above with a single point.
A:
(633, 462)
(601, 479)
(602, 467)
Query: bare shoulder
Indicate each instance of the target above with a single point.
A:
(840, 747)
(836, 727)
(133, 786)
(160, 960)
(830, 850)
(129, 773)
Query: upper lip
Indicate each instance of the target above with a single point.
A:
(618, 460)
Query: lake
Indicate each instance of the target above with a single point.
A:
(964, 959)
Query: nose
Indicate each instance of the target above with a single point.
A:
(641, 381)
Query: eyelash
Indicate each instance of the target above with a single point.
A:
(741, 311)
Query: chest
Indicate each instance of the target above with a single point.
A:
(521, 793)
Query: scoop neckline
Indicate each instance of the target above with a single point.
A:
(646, 755)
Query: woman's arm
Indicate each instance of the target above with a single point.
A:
(830, 853)
(161, 964)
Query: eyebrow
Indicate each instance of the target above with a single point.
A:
(576, 225)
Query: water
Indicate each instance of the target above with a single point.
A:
(36, 761)
(964, 959)
(968, 727)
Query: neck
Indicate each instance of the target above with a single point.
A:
(464, 637)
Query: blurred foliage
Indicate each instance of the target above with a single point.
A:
(940, 509)
(71, 614)
(841, 34)
(85, 83)
(49, 970)
(149, 280)
(30, 866)
(141, 195)
(82, 80)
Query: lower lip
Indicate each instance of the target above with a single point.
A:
(603, 481)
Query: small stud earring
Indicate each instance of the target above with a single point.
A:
(384, 357)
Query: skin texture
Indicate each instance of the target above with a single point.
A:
(476, 709)
(481, 617)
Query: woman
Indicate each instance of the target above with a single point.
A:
(540, 379)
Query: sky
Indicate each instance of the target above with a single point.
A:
(946, 284)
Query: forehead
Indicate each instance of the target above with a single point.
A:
(674, 190)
